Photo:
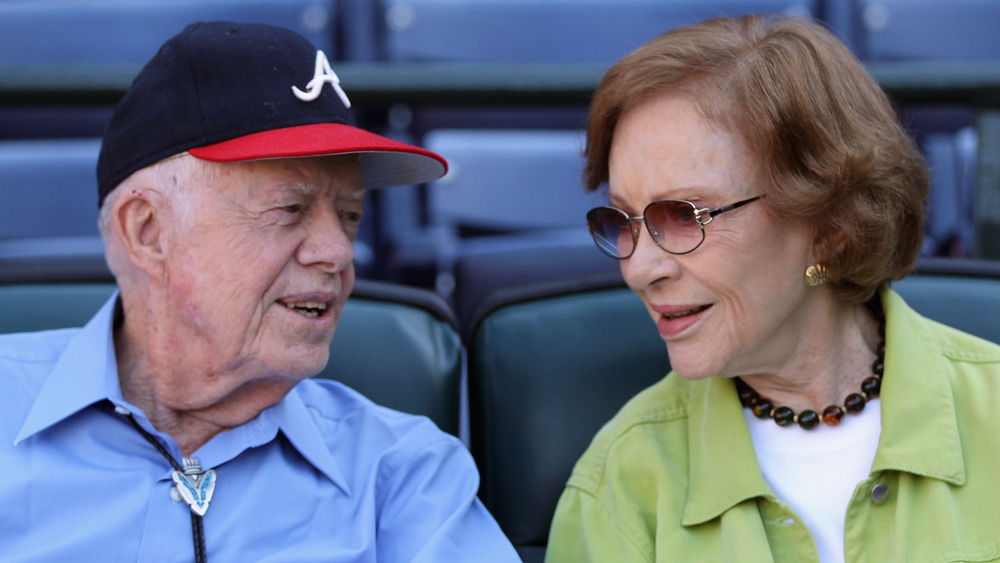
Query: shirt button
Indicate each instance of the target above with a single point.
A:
(880, 493)
(175, 495)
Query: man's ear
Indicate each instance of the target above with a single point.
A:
(138, 221)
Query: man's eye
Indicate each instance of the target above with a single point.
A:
(292, 208)
(351, 216)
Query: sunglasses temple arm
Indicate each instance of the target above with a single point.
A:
(732, 206)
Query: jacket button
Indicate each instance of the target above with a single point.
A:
(880, 493)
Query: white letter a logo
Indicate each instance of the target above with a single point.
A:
(322, 75)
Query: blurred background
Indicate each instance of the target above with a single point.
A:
(498, 87)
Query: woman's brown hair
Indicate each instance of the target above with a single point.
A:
(830, 149)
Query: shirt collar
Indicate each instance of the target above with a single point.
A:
(85, 373)
(919, 424)
(293, 419)
(300, 427)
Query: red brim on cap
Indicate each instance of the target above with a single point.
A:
(384, 162)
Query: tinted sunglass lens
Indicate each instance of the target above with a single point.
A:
(673, 226)
(611, 231)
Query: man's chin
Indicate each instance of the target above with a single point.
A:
(301, 362)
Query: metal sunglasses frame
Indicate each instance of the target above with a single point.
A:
(703, 216)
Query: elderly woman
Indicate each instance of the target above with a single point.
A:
(762, 198)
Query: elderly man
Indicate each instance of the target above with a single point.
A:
(180, 423)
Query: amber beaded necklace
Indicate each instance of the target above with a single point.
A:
(763, 407)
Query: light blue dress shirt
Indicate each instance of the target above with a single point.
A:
(324, 475)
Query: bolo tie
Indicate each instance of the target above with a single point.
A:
(191, 484)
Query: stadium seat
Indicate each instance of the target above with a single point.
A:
(500, 165)
(503, 180)
(49, 188)
(547, 368)
(120, 36)
(951, 158)
(960, 31)
(400, 347)
(963, 293)
(420, 375)
(956, 30)
(124, 32)
(547, 31)
(48, 223)
(483, 276)
(550, 364)
(506, 189)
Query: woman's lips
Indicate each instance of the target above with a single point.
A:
(675, 320)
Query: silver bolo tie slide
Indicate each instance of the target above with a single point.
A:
(191, 484)
(194, 486)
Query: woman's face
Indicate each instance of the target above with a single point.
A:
(737, 305)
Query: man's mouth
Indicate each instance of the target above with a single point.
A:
(308, 309)
(686, 313)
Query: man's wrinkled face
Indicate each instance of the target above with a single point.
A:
(258, 272)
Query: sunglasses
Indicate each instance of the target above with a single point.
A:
(677, 227)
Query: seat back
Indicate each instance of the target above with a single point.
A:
(521, 170)
(509, 180)
(960, 31)
(116, 36)
(49, 188)
(483, 276)
(547, 31)
(550, 364)
(547, 368)
(507, 190)
(964, 294)
(398, 346)
(928, 30)
(112, 32)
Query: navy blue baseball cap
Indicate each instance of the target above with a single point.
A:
(229, 92)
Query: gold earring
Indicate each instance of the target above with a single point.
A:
(816, 275)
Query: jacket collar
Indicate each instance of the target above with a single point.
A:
(919, 424)
(723, 465)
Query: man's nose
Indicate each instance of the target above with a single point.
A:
(326, 243)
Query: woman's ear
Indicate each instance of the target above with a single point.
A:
(829, 247)
(138, 222)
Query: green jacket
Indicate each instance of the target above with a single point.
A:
(674, 477)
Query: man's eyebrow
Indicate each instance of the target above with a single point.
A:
(302, 188)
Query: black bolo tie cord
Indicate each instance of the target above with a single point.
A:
(197, 525)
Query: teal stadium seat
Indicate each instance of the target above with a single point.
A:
(398, 346)
(550, 363)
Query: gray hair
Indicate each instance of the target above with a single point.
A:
(172, 178)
